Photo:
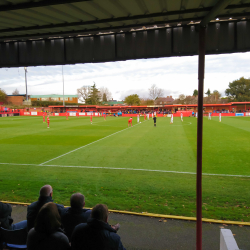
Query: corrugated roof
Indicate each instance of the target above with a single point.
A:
(24, 19)
(112, 102)
(18, 95)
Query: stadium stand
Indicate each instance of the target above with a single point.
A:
(13, 238)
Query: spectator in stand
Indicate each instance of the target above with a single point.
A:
(96, 234)
(75, 214)
(33, 209)
(6, 220)
(47, 233)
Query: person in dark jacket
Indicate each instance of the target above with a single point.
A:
(75, 214)
(33, 209)
(155, 120)
(96, 234)
(47, 233)
(6, 220)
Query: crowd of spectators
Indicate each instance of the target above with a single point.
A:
(144, 111)
(53, 226)
(10, 110)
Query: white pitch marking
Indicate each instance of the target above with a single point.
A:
(85, 146)
(132, 169)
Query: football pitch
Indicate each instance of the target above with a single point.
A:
(140, 169)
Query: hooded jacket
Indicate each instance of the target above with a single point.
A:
(72, 217)
(41, 240)
(5, 216)
(95, 235)
(33, 209)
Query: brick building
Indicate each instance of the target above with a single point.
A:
(164, 100)
(16, 99)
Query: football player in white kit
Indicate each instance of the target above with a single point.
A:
(219, 117)
(209, 116)
(181, 117)
(138, 118)
(172, 119)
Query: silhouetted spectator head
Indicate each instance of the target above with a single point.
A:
(48, 219)
(77, 201)
(100, 212)
(46, 191)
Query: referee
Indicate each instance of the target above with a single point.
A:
(154, 121)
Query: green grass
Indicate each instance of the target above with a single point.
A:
(122, 160)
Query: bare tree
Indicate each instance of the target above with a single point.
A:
(83, 93)
(105, 94)
(182, 98)
(15, 92)
(146, 101)
(191, 99)
(155, 92)
(213, 97)
(217, 94)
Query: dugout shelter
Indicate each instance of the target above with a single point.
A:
(58, 32)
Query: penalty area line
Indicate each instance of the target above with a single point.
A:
(85, 146)
(129, 169)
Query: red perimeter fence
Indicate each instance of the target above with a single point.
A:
(177, 114)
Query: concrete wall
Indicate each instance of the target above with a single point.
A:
(227, 241)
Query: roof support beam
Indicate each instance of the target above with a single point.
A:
(38, 4)
(221, 5)
(108, 20)
(44, 3)
(201, 73)
(90, 31)
(236, 6)
(122, 19)
(96, 30)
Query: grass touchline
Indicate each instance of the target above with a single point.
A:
(132, 169)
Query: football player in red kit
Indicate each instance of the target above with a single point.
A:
(67, 115)
(130, 121)
(145, 117)
(91, 119)
(48, 121)
(43, 117)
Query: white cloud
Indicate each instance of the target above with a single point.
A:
(176, 75)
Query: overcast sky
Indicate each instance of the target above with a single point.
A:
(176, 75)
